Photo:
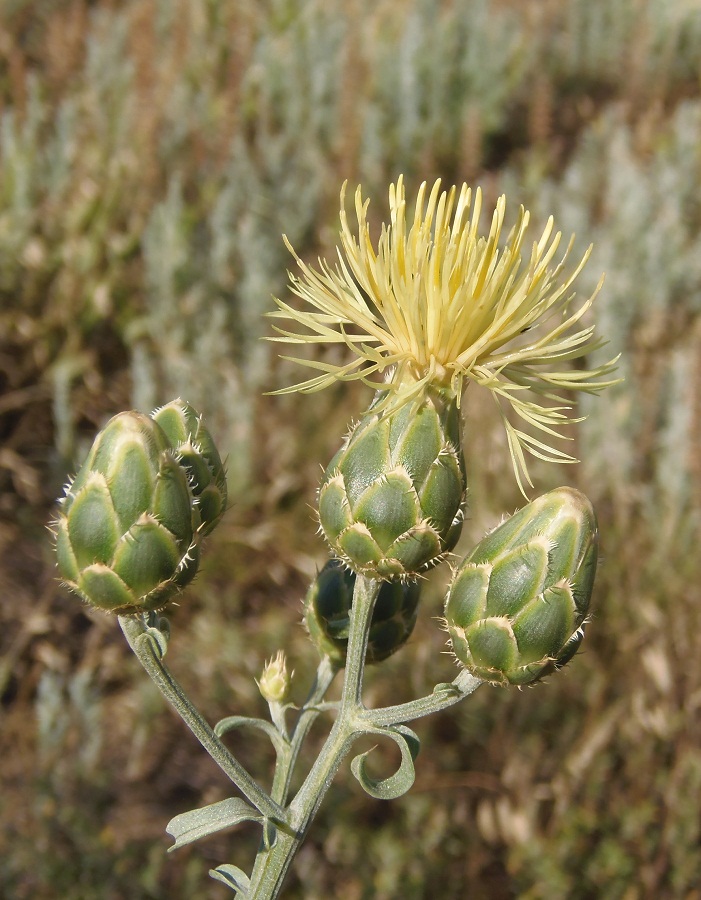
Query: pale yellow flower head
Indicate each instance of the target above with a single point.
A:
(436, 302)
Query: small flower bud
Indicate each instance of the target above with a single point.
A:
(327, 614)
(198, 455)
(516, 605)
(125, 529)
(391, 500)
(274, 683)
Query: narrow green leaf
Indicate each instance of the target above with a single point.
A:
(198, 823)
(232, 877)
(231, 722)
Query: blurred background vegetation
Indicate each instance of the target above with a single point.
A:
(152, 152)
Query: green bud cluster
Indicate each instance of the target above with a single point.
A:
(327, 614)
(517, 603)
(129, 528)
(391, 502)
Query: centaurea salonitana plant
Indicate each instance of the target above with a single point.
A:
(431, 308)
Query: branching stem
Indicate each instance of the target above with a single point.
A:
(293, 821)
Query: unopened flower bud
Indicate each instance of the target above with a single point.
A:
(199, 456)
(516, 605)
(391, 500)
(274, 683)
(327, 614)
(125, 529)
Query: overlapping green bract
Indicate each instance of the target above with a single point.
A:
(129, 528)
(391, 500)
(198, 454)
(517, 603)
(327, 610)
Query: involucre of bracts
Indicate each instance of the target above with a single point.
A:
(516, 605)
(391, 501)
(126, 528)
(199, 456)
(327, 614)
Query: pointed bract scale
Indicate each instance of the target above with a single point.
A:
(516, 605)
(493, 647)
(199, 456)
(438, 490)
(101, 587)
(131, 478)
(365, 459)
(188, 567)
(176, 421)
(547, 622)
(390, 504)
(195, 465)
(334, 508)
(418, 448)
(519, 573)
(147, 555)
(172, 502)
(409, 552)
(67, 563)
(357, 544)
(466, 602)
(92, 525)
(125, 428)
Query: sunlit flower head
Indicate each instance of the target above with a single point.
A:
(437, 303)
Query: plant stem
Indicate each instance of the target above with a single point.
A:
(325, 674)
(144, 647)
(272, 865)
(273, 862)
(441, 698)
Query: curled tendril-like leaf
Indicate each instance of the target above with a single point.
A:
(231, 722)
(399, 783)
(234, 878)
(198, 823)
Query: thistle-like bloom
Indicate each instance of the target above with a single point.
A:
(438, 304)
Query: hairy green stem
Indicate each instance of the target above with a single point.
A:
(274, 859)
(271, 865)
(145, 648)
(325, 674)
(442, 697)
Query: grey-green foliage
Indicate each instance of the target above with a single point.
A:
(209, 278)
(653, 41)
(434, 73)
(155, 185)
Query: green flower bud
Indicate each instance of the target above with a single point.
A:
(198, 454)
(391, 502)
(125, 529)
(274, 683)
(327, 614)
(517, 604)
